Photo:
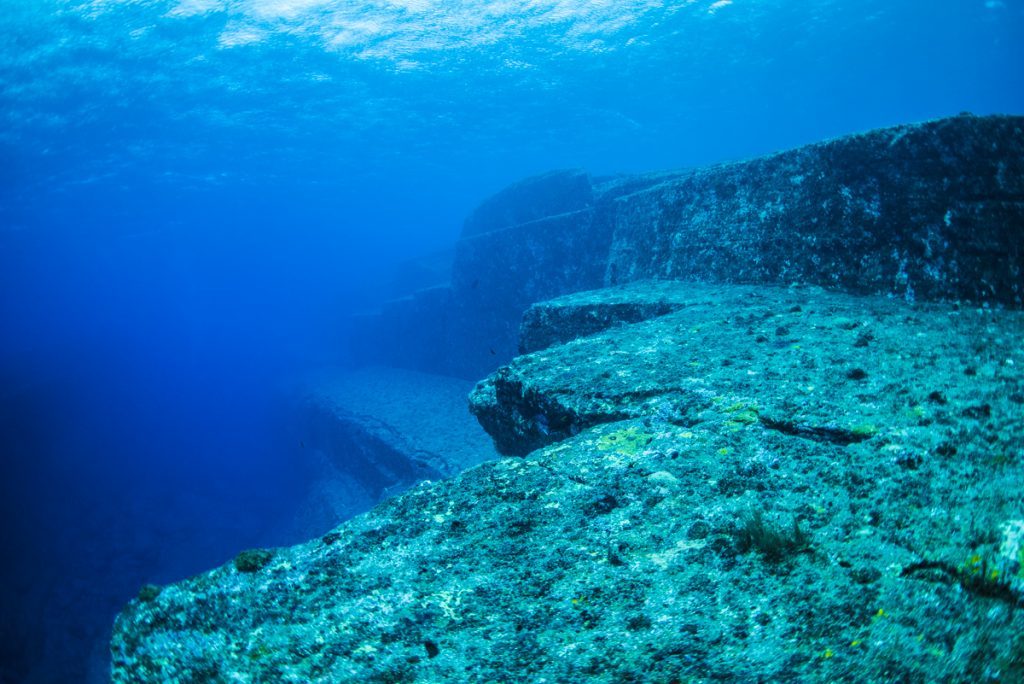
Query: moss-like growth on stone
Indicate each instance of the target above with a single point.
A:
(864, 430)
(252, 560)
(774, 543)
(149, 592)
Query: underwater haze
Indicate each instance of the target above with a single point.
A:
(196, 194)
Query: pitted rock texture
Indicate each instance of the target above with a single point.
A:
(928, 211)
(696, 541)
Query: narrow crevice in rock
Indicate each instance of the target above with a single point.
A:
(819, 433)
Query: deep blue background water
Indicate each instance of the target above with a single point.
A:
(194, 193)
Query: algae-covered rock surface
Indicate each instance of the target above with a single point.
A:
(763, 485)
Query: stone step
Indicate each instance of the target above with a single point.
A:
(566, 318)
(801, 360)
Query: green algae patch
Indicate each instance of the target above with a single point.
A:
(741, 414)
(625, 442)
(863, 431)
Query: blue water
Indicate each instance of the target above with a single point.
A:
(195, 193)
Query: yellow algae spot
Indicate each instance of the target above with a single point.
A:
(687, 435)
(741, 414)
(450, 602)
(865, 430)
(856, 642)
(827, 654)
(724, 451)
(881, 613)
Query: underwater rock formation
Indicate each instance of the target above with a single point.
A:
(375, 432)
(767, 483)
(560, 320)
(512, 253)
(931, 211)
(714, 480)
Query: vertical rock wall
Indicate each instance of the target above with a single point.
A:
(932, 211)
